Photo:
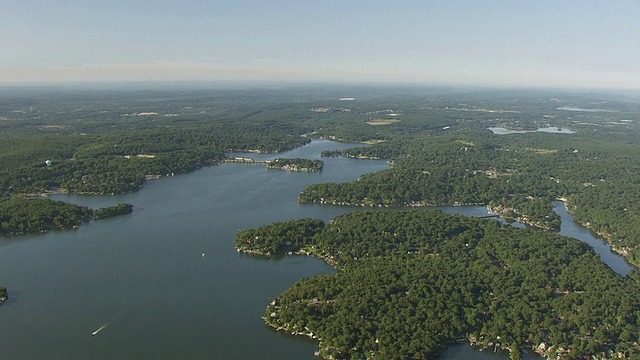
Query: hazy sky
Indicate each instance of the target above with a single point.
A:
(568, 43)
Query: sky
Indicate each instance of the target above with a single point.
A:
(525, 43)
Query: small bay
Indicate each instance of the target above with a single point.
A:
(166, 282)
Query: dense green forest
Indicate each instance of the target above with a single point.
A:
(118, 162)
(458, 169)
(412, 282)
(518, 175)
(442, 152)
(23, 215)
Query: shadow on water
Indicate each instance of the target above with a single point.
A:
(294, 338)
(466, 352)
(12, 239)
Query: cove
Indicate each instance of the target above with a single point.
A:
(141, 284)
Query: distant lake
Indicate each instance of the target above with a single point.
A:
(571, 108)
(552, 130)
(141, 283)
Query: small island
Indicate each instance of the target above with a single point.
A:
(3, 294)
(296, 164)
(20, 215)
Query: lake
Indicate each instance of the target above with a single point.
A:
(141, 284)
(571, 108)
(550, 130)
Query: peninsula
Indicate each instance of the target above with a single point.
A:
(28, 215)
(412, 282)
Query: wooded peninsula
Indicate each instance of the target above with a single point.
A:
(27, 215)
(412, 282)
(412, 272)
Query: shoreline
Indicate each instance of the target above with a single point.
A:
(490, 209)
(604, 237)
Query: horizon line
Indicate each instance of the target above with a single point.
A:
(292, 83)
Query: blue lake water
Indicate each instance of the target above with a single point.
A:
(138, 287)
(571, 108)
(550, 130)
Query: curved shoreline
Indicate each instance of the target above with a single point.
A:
(490, 209)
(605, 237)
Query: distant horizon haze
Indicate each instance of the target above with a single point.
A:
(496, 43)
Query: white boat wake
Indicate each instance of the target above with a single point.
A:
(113, 318)
(100, 329)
